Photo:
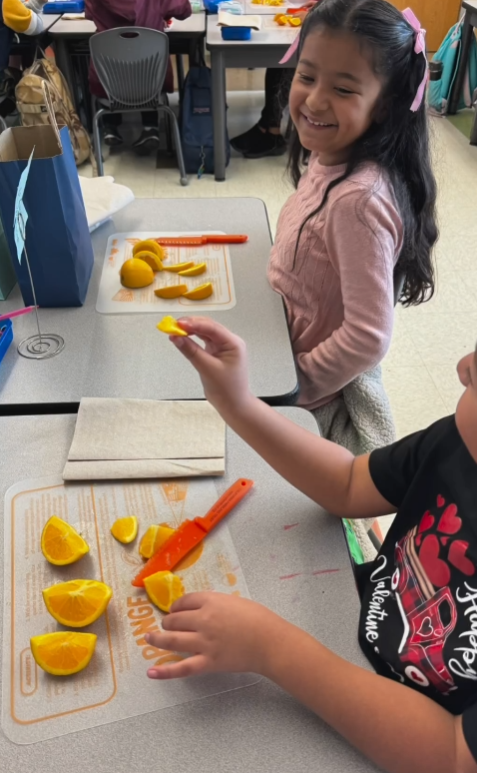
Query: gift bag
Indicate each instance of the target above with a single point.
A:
(57, 236)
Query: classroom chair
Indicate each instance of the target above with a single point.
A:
(131, 63)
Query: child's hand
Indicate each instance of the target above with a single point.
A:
(223, 633)
(222, 365)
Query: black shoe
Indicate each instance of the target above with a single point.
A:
(267, 145)
(148, 141)
(112, 138)
(244, 141)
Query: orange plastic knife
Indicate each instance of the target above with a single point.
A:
(197, 241)
(190, 533)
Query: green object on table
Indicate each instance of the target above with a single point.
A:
(353, 544)
(8, 279)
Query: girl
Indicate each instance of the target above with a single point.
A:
(364, 209)
(418, 624)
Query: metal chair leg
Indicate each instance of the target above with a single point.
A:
(97, 140)
(177, 137)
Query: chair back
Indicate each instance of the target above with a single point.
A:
(131, 63)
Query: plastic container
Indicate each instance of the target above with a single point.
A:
(236, 33)
(211, 6)
(6, 337)
(64, 6)
(232, 6)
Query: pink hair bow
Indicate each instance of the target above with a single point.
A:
(419, 48)
(291, 50)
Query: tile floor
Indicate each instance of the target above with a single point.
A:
(420, 368)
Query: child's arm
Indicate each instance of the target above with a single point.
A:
(327, 473)
(23, 17)
(177, 9)
(362, 235)
(393, 725)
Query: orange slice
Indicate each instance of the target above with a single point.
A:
(179, 267)
(136, 273)
(146, 546)
(163, 588)
(170, 326)
(173, 291)
(125, 529)
(78, 602)
(150, 245)
(64, 652)
(294, 21)
(150, 258)
(200, 268)
(61, 544)
(200, 293)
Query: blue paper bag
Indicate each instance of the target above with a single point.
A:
(57, 237)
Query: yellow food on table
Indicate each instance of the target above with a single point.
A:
(200, 268)
(150, 258)
(64, 652)
(61, 544)
(136, 273)
(173, 291)
(179, 267)
(78, 602)
(163, 588)
(200, 293)
(294, 21)
(170, 326)
(150, 245)
(153, 539)
(125, 529)
(281, 19)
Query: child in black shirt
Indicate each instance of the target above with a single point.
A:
(418, 625)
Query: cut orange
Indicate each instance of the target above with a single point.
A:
(179, 267)
(200, 293)
(64, 652)
(136, 273)
(200, 268)
(170, 326)
(150, 245)
(163, 588)
(78, 602)
(125, 529)
(146, 546)
(173, 291)
(61, 544)
(150, 258)
(162, 535)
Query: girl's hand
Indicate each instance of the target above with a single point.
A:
(223, 633)
(222, 364)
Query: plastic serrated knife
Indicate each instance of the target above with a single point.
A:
(190, 533)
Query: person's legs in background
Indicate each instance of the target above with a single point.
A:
(111, 124)
(149, 139)
(265, 139)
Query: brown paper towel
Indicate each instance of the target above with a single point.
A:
(125, 438)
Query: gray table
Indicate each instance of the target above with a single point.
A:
(265, 49)
(258, 728)
(124, 355)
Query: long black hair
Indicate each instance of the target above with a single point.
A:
(399, 142)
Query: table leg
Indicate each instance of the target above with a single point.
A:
(180, 73)
(63, 60)
(473, 134)
(219, 113)
(467, 32)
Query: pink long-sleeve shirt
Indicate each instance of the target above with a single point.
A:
(338, 290)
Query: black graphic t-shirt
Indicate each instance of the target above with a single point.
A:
(418, 621)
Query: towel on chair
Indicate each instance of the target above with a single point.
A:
(360, 419)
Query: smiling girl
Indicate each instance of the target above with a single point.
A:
(364, 208)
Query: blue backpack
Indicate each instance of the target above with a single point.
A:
(197, 130)
(449, 54)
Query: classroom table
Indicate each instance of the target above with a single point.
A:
(256, 728)
(470, 22)
(124, 355)
(265, 49)
(71, 38)
(49, 19)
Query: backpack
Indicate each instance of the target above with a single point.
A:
(449, 54)
(32, 108)
(197, 130)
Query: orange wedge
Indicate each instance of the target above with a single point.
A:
(61, 544)
(150, 245)
(146, 546)
(78, 602)
(150, 258)
(64, 652)
(163, 588)
(200, 293)
(173, 291)
(200, 268)
(170, 326)
(125, 529)
(179, 267)
(136, 273)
